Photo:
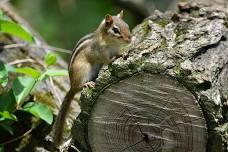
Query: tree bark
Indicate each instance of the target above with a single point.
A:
(170, 92)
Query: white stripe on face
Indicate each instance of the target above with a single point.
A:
(115, 30)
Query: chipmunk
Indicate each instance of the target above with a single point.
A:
(89, 55)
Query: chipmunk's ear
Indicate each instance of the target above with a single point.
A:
(120, 15)
(108, 19)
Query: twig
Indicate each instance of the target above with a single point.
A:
(53, 88)
(66, 145)
(72, 146)
(21, 61)
(11, 46)
(19, 45)
(27, 60)
(17, 138)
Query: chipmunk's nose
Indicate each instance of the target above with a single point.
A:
(128, 39)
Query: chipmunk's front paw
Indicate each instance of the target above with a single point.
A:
(89, 84)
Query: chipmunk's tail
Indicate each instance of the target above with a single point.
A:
(60, 119)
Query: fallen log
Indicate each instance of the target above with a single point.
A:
(169, 93)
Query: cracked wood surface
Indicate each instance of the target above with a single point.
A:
(190, 47)
(147, 113)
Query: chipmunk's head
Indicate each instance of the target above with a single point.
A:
(116, 29)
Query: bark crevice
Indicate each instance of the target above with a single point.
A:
(192, 49)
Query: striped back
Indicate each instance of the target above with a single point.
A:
(78, 47)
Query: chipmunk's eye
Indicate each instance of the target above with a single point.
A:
(116, 30)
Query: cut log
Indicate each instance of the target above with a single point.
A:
(173, 79)
(147, 113)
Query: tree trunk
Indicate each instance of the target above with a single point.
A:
(170, 92)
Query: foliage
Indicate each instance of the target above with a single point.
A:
(9, 27)
(3, 75)
(27, 79)
(15, 29)
(16, 97)
(1, 149)
(50, 59)
(39, 110)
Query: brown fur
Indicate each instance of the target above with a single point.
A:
(90, 54)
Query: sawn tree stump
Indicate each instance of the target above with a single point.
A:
(169, 94)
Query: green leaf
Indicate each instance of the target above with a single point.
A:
(6, 115)
(22, 86)
(16, 30)
(10, 68)
(52, 73)
(39, 110)
(1, 149)
(29, 71)
(1, 14)
(3, 75)
(7, 101)
(50, 58)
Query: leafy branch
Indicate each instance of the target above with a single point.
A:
(27, 79)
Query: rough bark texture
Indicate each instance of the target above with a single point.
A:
(190, 47)
(47, 92)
